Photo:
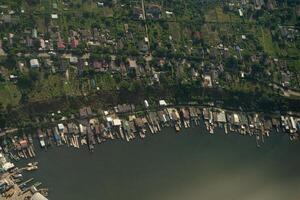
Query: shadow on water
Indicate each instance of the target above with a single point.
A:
(190, 165)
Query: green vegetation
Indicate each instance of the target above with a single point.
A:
(190, 50)
(9, 95)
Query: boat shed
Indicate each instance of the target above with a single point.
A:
(221, 117)
(61, 127)
(117, 122)
(38, 196)
(236, 119)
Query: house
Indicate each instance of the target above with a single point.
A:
(61, 127)
(42, 44)
(74, 43)
(298, 10)
(221, 117)
(124, 108)
(162, 103)
(259, 4)
(6, 19)
(117, 122)
(54, 5)
(207, 82)
(153, 12)
(2, 53)
(241, 13)
(34, 33)
(73, 60)
(24, 144)
(143, 48)
(60, 44)
(100, 66)
(34, 63)
(132, 63)
(137, 13)
(100, 4)
(270, 5)
(38, 196)
(169, 13)
(236, 119)
(54, 16)
(85, 112)
(146, 103)
(126, 28)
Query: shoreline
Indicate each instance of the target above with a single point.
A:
(89, 128)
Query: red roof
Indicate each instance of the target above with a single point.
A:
(74, 43)
(60, 44)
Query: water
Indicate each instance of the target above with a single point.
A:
(191, 165)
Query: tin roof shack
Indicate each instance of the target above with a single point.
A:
(57, 137)
(132, 126)
(139, 123)
(61, 127)
(173, 114)
(244, 123)
(162, 103)
(221, 117)
(140, 126)
(124, 108)
(163, 117)
(185, 113)
(233, 120)
(5, 164)
(85, 112)
(208, 115)
(276, 123)
(185, 116)
(236, 119)
(195, 113)
(153, 12)
(72, 128)
(292, 124)
(257, 122)
(50, 135)
(34, 63)
(175, 118)
(267, 123)
(41, 136)
(38, 196)
(90, 138)
(23, 147)
(117, 127)
(207, 81)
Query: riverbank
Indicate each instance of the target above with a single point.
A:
(123, 122)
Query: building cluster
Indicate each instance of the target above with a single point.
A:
(12, 183)
(124, 122)
(56, 50)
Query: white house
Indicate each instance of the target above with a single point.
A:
(34, 63)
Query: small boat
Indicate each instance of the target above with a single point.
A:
(177, 128)
(32, 168)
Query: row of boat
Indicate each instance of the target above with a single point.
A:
(110, 125)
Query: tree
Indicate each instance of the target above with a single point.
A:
(3, 117)
(2, 78)
(11, 60)
(231, 64)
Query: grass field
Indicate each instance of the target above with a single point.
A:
(210, 16)
(9, 94)
(266, 40)
(221, 16)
